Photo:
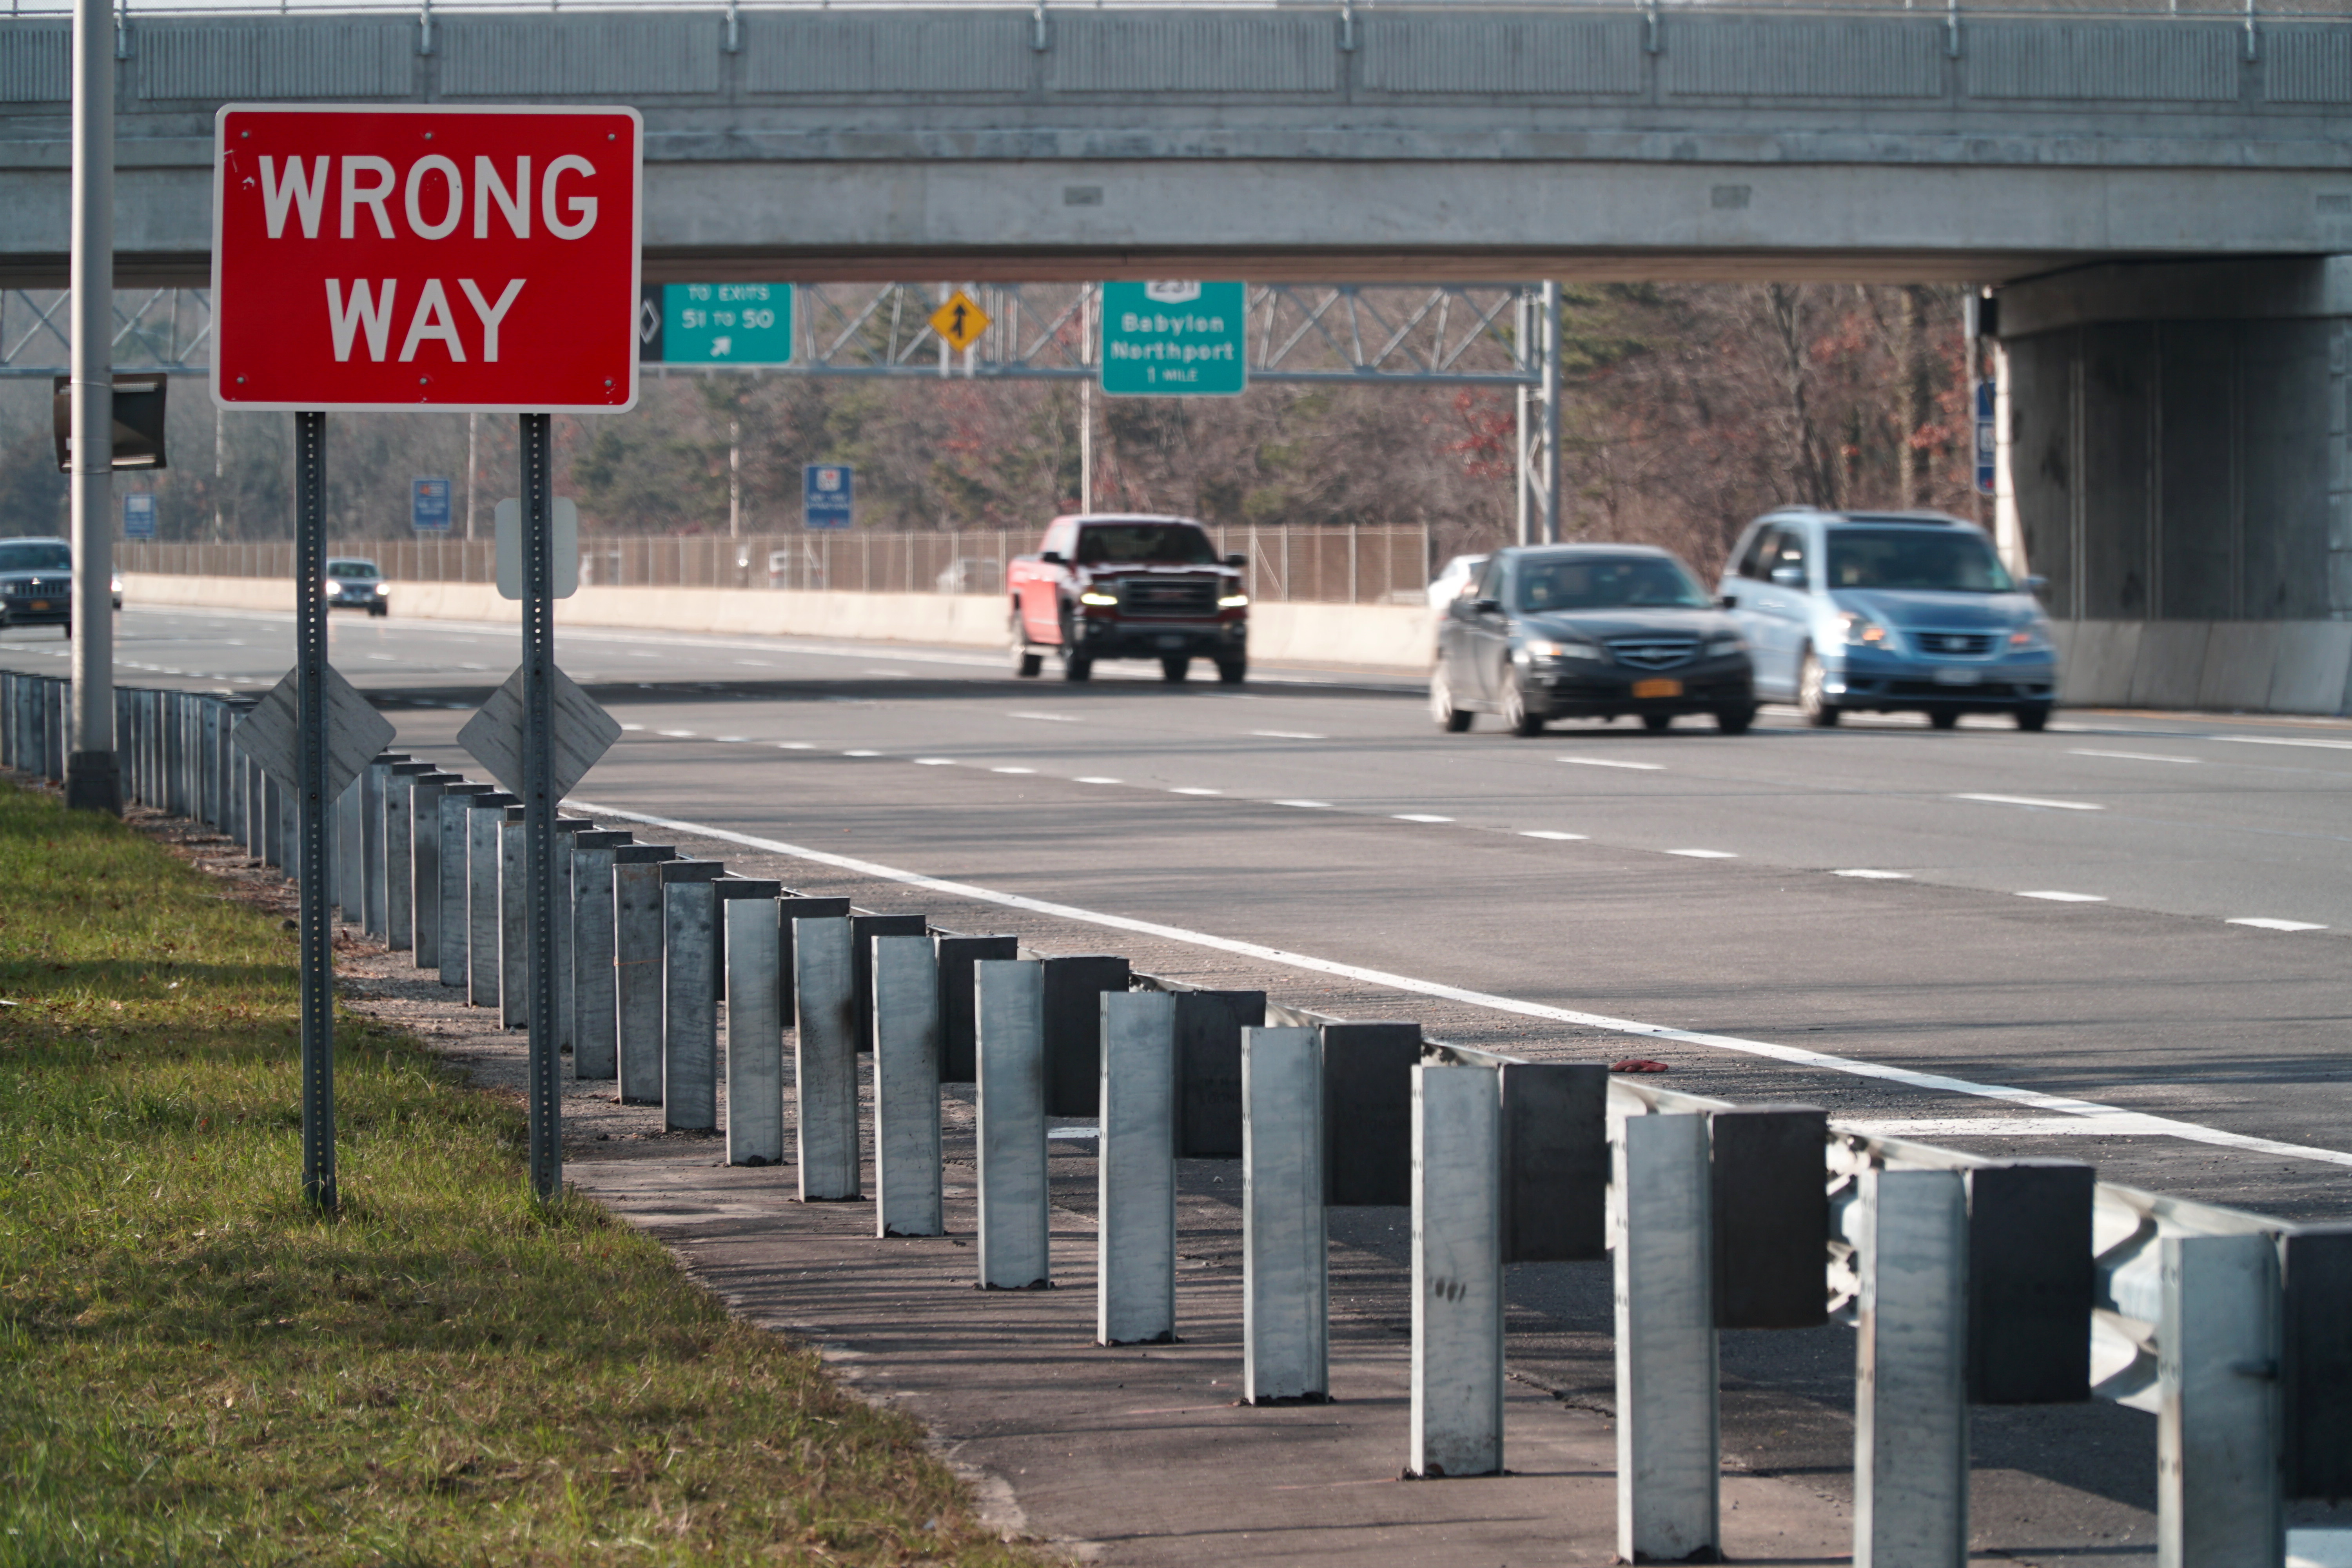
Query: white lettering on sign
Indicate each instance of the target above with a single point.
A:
(583, 209)
(308, 196)
(415, 191)
(431, 320)
(374, 314)
(1128, 322)
(369, 309)
(515, 203)
(356, 196)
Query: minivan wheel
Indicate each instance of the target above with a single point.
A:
(1450, 719)
(1812, 699)
(2032, 720)
(1516, 716)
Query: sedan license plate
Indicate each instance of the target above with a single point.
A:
(1658, 688)
(1955, 678)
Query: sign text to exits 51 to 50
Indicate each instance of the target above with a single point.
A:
(425, 257)
(1173, 340)
(716, 323)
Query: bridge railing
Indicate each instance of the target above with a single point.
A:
(1369, 565)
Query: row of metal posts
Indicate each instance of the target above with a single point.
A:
(1706, 1206)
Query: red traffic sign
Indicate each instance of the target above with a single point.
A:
(467, 261)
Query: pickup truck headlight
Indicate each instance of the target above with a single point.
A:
(333, 586)
(1547, 648)
(1233, 602)
(383, 589)
(1093, 597)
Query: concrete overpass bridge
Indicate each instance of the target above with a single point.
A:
(2162, 196)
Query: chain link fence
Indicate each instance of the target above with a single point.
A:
(1373, 565)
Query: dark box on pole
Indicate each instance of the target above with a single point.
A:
(1209, 1025)
(1368, 1112)
(959, 1020)
(2031, 1282)
(1074, 988)
(1770, 1194)
(1555, 1161)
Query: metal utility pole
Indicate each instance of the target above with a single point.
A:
(1549, 328)
(473, 433)
(1086, 402)
(314, 801)
(545, 1081)
(734, 479)
(90, 777)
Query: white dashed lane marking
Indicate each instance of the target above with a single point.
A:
(2034, 800)
(1614, 762)
(2056, 897)
(2264, 922)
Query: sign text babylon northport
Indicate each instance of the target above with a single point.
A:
(1162, 340)
(425, 257)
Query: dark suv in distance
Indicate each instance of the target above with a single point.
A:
(1588, 631)
(36, 582)
(353, 584)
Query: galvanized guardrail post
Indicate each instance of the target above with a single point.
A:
(595, 1001)
(863, 930)
(1135, 1274)
(453, 931)
(2217, 1425)
(374, 914)
(689, 1078)
(637, 969)
(1668, 1443)
(424, 833)
(906, 981)
(1457, 1271)
(485, 814)
(1286, 1265)
(559, 874)
(514, 917)
(824, 1060)
(1015, 1216)
(345, 880)
(1911, 1408)
(755, 1029)
(400, 785)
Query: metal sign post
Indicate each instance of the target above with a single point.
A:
(539, 803)
(315, 798)
(90, 772)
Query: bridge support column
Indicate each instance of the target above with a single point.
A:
(2182, 470)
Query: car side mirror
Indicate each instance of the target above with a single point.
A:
(1053, 558)
(2035, 583)
(1238, 563)
(1729, 601)
(1487, 606)
(1789, 576)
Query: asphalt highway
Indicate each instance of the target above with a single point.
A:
(2122, 940)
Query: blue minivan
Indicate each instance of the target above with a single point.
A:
(1889, 612)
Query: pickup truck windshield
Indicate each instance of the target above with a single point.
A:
(1145, 544)
(1606, 582)
(36, 557)
(1953, 562)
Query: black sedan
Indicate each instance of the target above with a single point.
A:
(1588, 631)
(36, 583)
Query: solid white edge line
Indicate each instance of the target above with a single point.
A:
(1794, 1055)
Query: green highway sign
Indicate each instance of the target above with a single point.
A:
(1173, 340)
(716, 324)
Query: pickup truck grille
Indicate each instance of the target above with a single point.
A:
(1190, 597)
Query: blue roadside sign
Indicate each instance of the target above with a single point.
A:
(428, 506)
(1984, 439)
(826, 494)
(139, 515)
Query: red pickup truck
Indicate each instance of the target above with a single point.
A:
(1125, 586)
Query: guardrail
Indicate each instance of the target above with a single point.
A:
(1371, 565)
(1966, 1279)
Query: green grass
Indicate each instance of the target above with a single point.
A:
(195, 1368)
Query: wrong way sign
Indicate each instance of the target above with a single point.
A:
(405, 258)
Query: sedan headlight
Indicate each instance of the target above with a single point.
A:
(1860, 631)
(1548, 647)
(1719, 648)
(1091, 597)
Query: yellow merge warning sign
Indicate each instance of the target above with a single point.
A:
(959, 321)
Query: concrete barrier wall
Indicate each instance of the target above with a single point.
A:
(1387, 636)
(2245, 667)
